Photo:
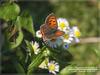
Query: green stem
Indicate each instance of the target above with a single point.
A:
(36, 62)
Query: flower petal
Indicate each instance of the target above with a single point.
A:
(38, 34)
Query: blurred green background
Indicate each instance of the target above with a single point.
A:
(84, 13)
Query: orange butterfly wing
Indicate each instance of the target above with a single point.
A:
(49, 29)
(59, 33)
(51, 21)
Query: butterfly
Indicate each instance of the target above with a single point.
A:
(49, 29)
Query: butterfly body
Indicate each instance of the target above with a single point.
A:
(49, 29)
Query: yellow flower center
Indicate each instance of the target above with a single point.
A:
(66, 36)
(52, 67)
(77, 33)
(62, 25)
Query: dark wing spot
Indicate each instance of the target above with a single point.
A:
(49, 23)
(54, 21)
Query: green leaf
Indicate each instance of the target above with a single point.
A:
(25, 21)
(35, 63)
(17, 42)
(19, 68)
(9, 11)
(29, 45)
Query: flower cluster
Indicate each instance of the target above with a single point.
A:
(71, 35)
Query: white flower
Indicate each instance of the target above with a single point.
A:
(68, 36)
(62, 24)
(76, 31)
(71, 35)
(35, 47)
(53, 67)
(38, 34)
